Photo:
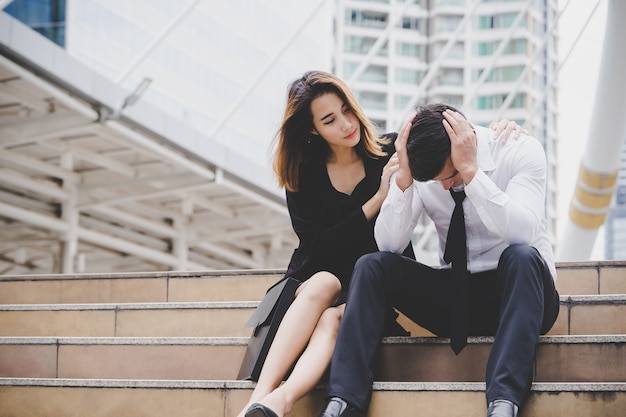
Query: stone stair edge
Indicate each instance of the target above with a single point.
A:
(237, 341)
(244, 272)
(172, 305)
(590, 264)
(146, 275)
(591, 299)
(231, 384)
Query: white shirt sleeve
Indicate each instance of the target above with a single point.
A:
(516, 213)
(397, 218)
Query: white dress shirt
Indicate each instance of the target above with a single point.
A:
(505, 205)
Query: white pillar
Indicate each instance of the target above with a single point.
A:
(600, 162)
(70, 215)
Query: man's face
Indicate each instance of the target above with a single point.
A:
(449, 177)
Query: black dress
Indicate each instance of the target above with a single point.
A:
(333, 230)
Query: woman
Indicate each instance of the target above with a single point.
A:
(336, 173)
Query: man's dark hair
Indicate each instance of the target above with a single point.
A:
(428, 144)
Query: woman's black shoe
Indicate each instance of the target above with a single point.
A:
(259, 410)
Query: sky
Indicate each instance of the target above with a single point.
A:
(577, 79)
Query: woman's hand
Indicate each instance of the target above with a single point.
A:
(391, 167)
(504, 129)
(372, 206)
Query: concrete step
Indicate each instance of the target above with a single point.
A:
(579, 315)
(105, 398)
(208, 319)
(581, 278)
(170, 343)
(137, 287)
(559, 359)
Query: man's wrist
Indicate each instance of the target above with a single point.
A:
(468, 174)
(403, 182)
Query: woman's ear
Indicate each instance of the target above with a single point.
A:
(314, 132)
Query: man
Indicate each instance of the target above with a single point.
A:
(503, 284)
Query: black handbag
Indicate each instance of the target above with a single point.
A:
(265, 320)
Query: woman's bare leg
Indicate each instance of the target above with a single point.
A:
(313, 297)
(310, 366)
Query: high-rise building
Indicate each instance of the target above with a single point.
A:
(491, 59)
(615, 225)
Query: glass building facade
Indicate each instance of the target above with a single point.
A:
(47, 17)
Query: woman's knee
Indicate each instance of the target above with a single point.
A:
(323, 286)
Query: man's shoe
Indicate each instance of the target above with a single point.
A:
(337, 407)
(502, 408)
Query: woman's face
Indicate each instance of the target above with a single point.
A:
(334, 121)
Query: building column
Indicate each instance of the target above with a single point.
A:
(70, 215)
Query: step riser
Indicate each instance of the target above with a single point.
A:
(227, 322)
(163, 362)
(572, 279)
(66, 290)
(580, 319)
(556, 362)
(139, 402)
(172, 287)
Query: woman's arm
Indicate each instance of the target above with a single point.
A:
(325, 238)
(372, 206)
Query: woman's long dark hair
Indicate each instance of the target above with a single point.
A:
(295, 139)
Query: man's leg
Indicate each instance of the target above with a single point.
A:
(380, 280)
(529, 307)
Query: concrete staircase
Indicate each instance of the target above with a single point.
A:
(170, 343)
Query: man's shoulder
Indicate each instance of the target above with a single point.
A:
(527, 142)
(524, 141)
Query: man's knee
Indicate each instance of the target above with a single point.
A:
(521, 261)
(376, 260)
(520, 255)
(377, 270)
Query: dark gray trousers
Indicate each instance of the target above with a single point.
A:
(516, 303)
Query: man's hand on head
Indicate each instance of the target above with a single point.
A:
(404, 179)
(463, 144)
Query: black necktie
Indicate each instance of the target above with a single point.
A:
(456, 252)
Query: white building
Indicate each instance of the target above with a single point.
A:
(491, 59)
(221, 67)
